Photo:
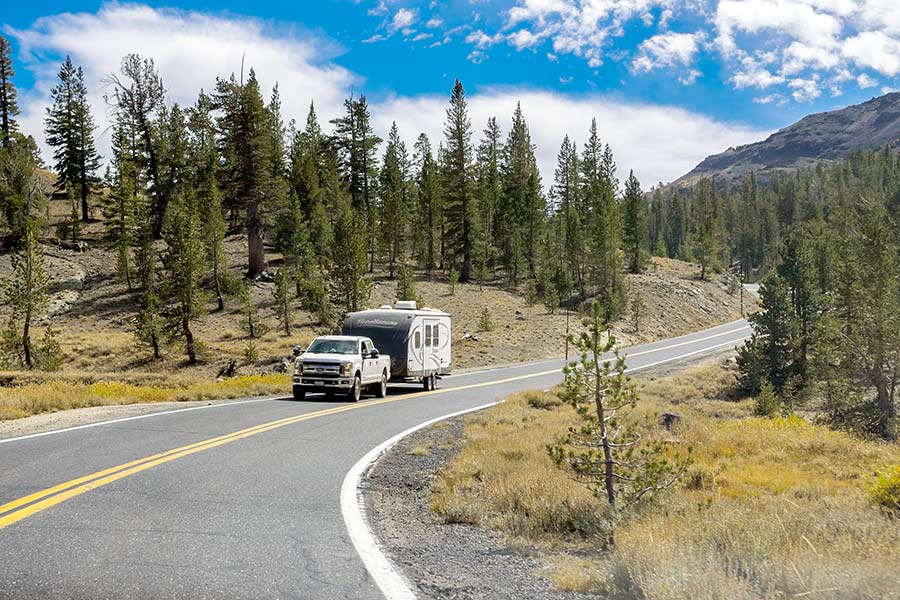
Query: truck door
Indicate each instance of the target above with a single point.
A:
(368, 364)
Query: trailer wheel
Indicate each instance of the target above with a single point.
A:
(381, 388)
(428, 383)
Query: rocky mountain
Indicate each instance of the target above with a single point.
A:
(813, 139)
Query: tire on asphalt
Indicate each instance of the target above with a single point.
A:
(381, 388)
(299, 394)
(356, 391)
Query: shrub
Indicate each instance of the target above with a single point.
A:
(485, 323)
(251, 354)
(766, 402)
(541, 400)
(454, 279)
(885, 492)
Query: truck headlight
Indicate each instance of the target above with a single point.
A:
(298, 368)
(345, 369)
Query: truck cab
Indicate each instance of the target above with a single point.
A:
(341, 364)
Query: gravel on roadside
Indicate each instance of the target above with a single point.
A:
(444, 560)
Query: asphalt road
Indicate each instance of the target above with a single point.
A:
(233, 501)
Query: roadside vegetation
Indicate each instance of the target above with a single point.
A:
(216, 235)
(769, 507)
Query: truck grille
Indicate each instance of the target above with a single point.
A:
(321, 370)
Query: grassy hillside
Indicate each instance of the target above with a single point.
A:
(771, 508)
(93, 314)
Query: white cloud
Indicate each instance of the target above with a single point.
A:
(190, 50)
(805, 90)
(667, 50)
(434, 23)
(875, 50)
(523, 39)
(865, 82)
(660, 143)
(402, 19)
(481, 40)
(422, 36)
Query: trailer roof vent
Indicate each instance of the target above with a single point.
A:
(405, 305)
(385, 307)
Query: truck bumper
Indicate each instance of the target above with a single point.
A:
(311, 384)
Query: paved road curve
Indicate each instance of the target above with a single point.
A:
(237, 501)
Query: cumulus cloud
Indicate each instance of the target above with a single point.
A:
(660, 143)
(669, 49)
(190, 50)
(759, 43)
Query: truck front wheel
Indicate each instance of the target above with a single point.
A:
(299, 394)
(354, 393)
(381, 387)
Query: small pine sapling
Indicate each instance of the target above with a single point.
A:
(454, 280)
(485, 323)
(607, 451)
(283, 299)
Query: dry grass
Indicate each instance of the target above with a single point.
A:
(85, 390)
(771, 508)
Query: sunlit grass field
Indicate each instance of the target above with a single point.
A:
(770, 508)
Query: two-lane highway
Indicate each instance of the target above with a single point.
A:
(232, 501)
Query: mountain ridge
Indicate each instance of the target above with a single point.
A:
(816, 138)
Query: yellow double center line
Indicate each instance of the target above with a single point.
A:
(22, 508)
(26, 506)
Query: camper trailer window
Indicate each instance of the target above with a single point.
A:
(428, 336)
(418, 338)
(434, 341)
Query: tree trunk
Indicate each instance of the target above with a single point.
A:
(189, 339)
(256, 259)
(608, 472)
(217, 285)
(26, 341)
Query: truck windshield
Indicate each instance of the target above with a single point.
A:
(333, 347)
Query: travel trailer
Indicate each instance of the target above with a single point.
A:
(416, 339)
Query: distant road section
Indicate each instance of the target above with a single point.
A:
(238, 502)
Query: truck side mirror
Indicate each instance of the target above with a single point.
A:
(373, 353)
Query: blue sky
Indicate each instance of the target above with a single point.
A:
(669, 80)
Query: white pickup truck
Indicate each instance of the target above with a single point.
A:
(341, 364)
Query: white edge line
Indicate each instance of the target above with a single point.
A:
(389, 580)
(386, 576)
(135, 418)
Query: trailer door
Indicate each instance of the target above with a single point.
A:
(431, 356)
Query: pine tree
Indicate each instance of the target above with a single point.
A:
(429, 204)
(522, 207)
(605, 450)
(149, 323)
(406, 284)
(458, 203)
(350, 284)
(203, 175)
(245, 137)
(708, 228)
(138, 99)
(70, 131)
(283, 298)
(357, 143)
(599, 186)
(489, 191)
(569, 213)
(184, 265)
(635, 225)
(9, 107)
(395, 208)
(26, 293)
